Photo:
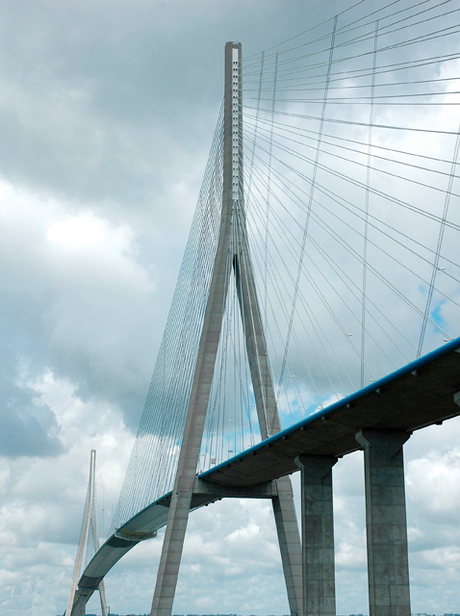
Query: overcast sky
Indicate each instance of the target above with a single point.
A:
(107, 111)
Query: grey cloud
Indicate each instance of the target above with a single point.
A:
(111, 109)
(98, 103)
(77, 310)
(27, 428)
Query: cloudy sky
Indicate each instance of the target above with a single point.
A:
(107, 111)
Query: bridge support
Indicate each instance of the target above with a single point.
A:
(287, 529)
(79, 608)
(232, 255)
(76, 606)
(387, 557)
(317, 535)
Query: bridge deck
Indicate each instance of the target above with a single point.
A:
(420, 394)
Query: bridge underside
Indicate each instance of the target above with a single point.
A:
(145, 525)
(421, 394)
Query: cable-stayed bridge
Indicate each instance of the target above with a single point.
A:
(318, 302)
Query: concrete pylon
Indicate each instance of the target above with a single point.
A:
(232, 255)
(89, 525)
(386, 526)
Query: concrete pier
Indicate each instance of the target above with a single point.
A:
(388, 570)
(317, 535)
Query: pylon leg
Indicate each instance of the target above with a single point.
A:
(79, 609)
(196, 414)
(188, 459)
(289, 542)
(101, 587)
(267, 412)
(172, 550)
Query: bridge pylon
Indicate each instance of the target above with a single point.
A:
(89, 526)
(232, 258)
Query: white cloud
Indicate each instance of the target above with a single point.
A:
(79, 281)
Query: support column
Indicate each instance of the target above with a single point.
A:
(317, 535)
(79, 609)
(386, 527)
(287, 529)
